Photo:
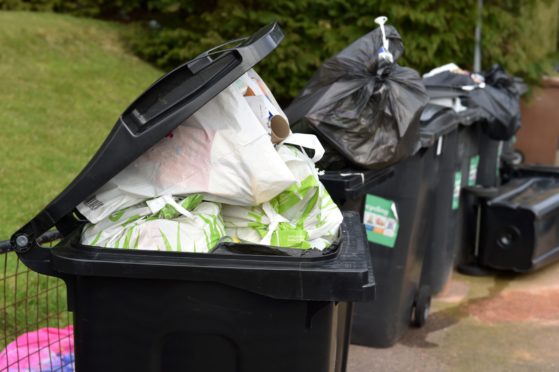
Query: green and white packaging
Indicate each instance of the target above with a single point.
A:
(165, 223)
(302, 216)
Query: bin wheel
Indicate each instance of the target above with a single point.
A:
(472, 269)
(422, 307)
(517, 157)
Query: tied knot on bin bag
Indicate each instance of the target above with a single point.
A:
(365, 107)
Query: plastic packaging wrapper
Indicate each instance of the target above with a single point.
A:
(303, 216)
(365, 108)
(43, 350)
(495, 92)
(223, 151)
(162, 224)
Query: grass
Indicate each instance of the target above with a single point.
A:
(64, 83)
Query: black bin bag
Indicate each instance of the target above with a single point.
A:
(364, 108)
(501, 99)
(498, 98)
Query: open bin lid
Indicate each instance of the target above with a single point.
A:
(156, 112)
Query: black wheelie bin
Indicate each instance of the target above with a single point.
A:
(391, 205)
(440, 137)
(485, 123)
(406, 210)
(519, 229)
(235, 309)
(366, 109)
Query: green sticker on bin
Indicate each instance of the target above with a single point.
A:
(380, 218)
(456, 192)
(472, 174)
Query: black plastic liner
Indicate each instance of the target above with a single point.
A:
(499, 99)
(365, 108)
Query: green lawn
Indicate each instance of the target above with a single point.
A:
(64, 81)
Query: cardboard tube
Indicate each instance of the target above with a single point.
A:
(280, 129)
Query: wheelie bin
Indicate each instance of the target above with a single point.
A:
(440, 136)
(477, 162)
(406, 233)
(399, 206)
(463, 231)
(366, 110)
(520, 225)
(239, 308)
(392, 208)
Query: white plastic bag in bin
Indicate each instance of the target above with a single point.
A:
(302, 216)
(222, 151)
(161, 224)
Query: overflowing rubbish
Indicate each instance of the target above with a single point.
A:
(223, 151)
(220, 310)
(226, 153)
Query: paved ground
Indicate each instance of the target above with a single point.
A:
(504, 323)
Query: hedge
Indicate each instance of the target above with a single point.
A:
(518, 34)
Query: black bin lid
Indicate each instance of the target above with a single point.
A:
(156, 112)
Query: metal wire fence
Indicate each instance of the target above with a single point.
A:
(28, 302)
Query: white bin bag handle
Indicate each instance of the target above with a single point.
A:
(308, 141)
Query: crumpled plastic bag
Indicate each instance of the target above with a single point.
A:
(365, 108)
(496, 94)
(222, 151)
(46, 350)
(303, 216)
(162, 224)
(502, 99)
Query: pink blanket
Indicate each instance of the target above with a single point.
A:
(46, 349)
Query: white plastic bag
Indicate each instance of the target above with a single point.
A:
(162, 224)
(303, 216)
(222, 151)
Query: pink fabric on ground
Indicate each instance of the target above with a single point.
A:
(35, 349)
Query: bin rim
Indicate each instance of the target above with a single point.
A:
(439, 125)
(344, 274)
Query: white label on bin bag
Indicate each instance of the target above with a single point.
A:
(380, 218)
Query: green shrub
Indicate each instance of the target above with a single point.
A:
(518, 34)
